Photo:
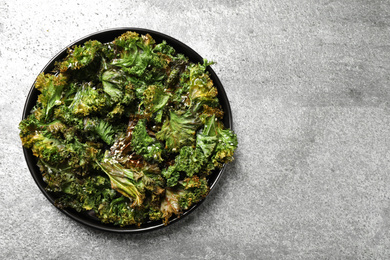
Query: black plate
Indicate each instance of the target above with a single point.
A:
(108, 36)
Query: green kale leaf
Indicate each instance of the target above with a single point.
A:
(179, 130)
(143, 144)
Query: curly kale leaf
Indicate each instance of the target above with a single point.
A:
(80, 56)
(45, 146)
(217, 143)
(136, 52)
(92, 193)
(137, 58)
(178, 130)
(214, 147)
(65, 180)
(164, 48)
(43, 143)
(177, 63)
(119, 212)
(201, 90)
(207, 138)
(88, 100)
(133, 182)
(143, 144)
(51, 87)
(101, 129)
(123, 180)
(227, 144)
(129, 39)
(188, 162)
(58, 179)
(117, 85)
(197, 92)
(183, 196)
(154, 102)
(47, 143)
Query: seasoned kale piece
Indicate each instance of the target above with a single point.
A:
(51, 87)
(178, 130)
(155, 102)
(180, 198)
(188, 162)
(80, 56)
(145, 145)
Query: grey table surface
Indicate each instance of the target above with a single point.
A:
(309, 87)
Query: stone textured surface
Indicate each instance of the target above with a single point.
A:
(309, 87)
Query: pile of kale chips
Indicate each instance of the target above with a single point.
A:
(128, 130)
